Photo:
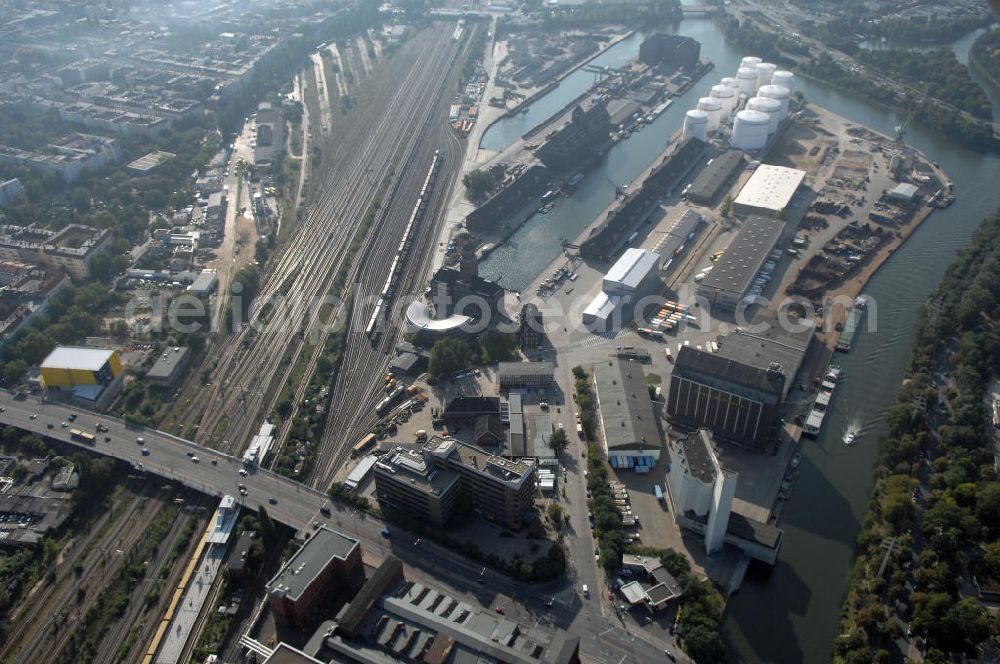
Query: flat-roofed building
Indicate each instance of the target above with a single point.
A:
(316, 581)
(730, 281)
(423, 482)
(525, 374)
(149, 162)
(394, 619)
(92, 375)
(707, 186)
(631, 434)
(635, 272)
(408, 481)
(169, 367)
(768, 191)
(75, 246)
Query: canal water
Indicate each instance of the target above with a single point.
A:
(789, 613)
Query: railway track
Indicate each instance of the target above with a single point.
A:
(45, 644)
(255, 364)
(363, 360)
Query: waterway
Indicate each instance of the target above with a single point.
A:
(790, 613)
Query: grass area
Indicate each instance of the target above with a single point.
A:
(653, 379)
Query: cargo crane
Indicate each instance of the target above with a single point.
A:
(903, 126)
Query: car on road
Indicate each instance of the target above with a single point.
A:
(107, 439)
(101, 427)
(550, 602)
(325, 511)
(34, 416)
(243, 472)
(195, 459)
(145, 451)
(385, 533)
(72, 417)
(64, 425)
(500, 610)
(670, 655)
(243, 491)
(272, 500)
(140, 440)
(586, 591)
(49, 425)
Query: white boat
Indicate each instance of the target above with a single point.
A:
(851, 436)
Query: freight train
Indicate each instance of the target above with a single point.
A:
(377, 320)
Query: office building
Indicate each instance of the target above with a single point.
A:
(500, 489)
(631, 434)
(316, 581)
(408, 481)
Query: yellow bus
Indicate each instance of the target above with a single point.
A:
(82, 436)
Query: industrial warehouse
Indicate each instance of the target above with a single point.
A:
(735, 273)
(769, 191)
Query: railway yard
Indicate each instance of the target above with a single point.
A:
(387, 163)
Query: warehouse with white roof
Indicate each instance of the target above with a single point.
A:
(632, 272)
(768, 191)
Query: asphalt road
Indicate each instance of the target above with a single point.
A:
(602, 639)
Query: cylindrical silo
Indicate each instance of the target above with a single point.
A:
(784, 78)
(713, 107)
(765, 71)
(747, 78)
(695, 125)
(730, 81)
(750, 61)
(779, 92)
(727, 96)
(750, 130)
(772, 107)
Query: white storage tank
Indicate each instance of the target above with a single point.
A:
(713, 107)
(784, 79)
(730, 82)
(695, 125)
(727, 96)
(750, 61)
(750, 130)
(779, 92)
(772, 107)
(765, 71)
(747, 78)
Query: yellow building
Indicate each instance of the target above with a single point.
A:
(84, 373)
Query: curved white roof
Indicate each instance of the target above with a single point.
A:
(419, 318)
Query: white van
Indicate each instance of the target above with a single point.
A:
(586, 591)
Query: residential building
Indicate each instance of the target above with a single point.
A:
(67, 157)
(323, 574)
(632, 437)
(11, 192)
(74, 247)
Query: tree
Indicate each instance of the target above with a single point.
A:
(478, 183)
(727, 206)
(559, 441)
(447, 357)
(555, 515)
